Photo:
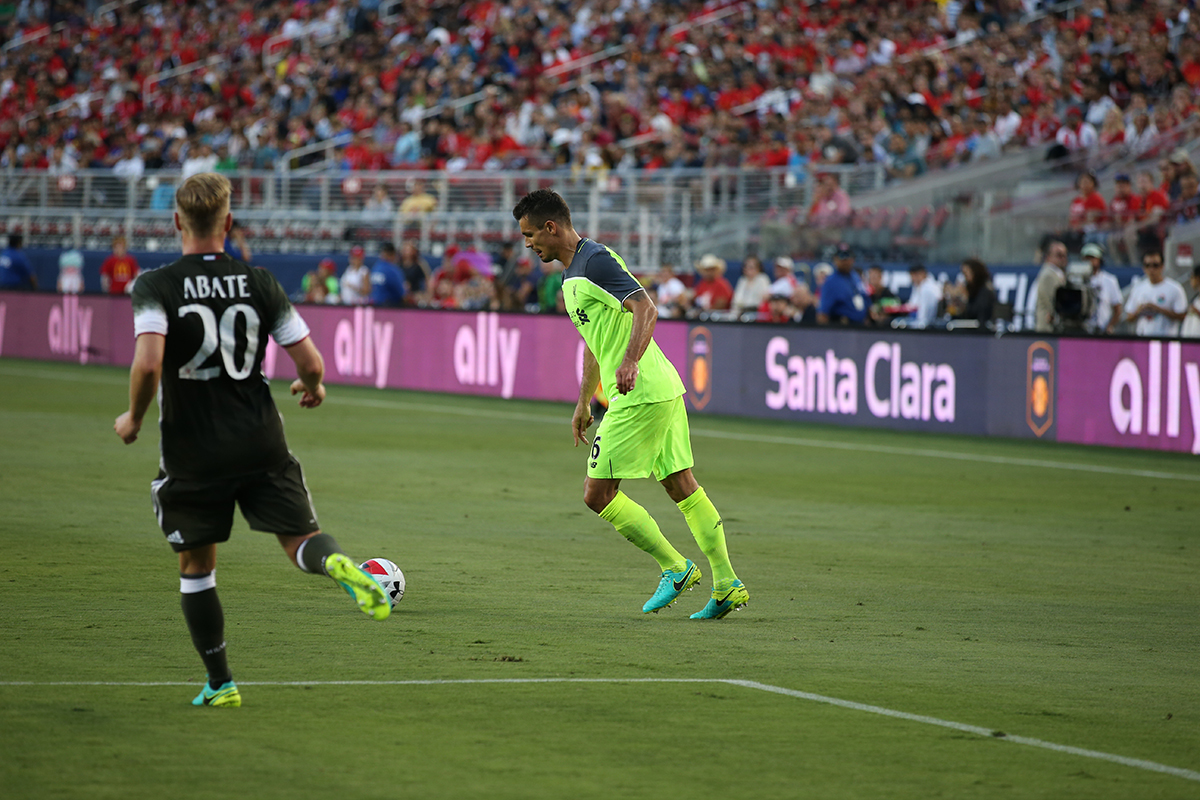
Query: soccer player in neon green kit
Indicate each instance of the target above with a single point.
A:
(645, 431)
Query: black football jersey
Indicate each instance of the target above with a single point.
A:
(215, 408)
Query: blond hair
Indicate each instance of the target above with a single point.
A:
(203, 202)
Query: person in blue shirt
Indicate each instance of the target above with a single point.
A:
(387, 281)
(843, 300)
(15, 271)
(236, 245)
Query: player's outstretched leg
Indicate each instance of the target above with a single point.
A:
(359, 585)
(635, 524)
(708, 530)
(320, 553)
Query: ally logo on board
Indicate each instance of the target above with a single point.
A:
(69, 328)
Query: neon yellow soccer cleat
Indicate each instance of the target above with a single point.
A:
(227, 696)
(722, 602)
(671, 586)
(358, 584)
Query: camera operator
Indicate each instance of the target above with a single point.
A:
(1074, 302)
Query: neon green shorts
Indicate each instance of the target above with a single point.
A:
(637, 441)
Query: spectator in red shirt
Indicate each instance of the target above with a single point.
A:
(1144, 233)
(119, 269)
(1112, 132)
(712, 292)
(1124, 210)
(1126, 205)
(830, 210)
(1088, 211)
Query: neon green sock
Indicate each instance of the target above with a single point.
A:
(709, 532)
(635, 524)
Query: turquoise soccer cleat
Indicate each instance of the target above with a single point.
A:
(722, 602)
(358, 584)
(227, 696)
(671, 586)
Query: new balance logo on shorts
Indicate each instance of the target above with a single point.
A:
(175, 538)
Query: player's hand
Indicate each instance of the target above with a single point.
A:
(308, 399)
(627, 375)
(126, 428)
(580, 422)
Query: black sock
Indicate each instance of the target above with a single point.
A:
(314, 550)
(206, 622)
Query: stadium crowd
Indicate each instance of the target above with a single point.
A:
(908, 84)
(621, 84)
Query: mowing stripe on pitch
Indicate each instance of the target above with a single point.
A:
(990, 733)
(793, 441)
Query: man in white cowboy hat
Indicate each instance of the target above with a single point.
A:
(784, 276)
(712, 292)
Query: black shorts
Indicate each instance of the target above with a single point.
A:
(197, 513)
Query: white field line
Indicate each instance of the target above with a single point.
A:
(990, 733)
(565, 421)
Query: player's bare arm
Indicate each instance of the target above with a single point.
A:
(1115, 319)
(645, 316)
(143, 384)
(1174, 316)
(310, 368)
(582, 418)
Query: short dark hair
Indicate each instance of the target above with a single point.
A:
(1196, 271)
(1155, 253)
(387, 247)
(15, 240)
(541, 205)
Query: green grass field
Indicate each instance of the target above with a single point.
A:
(1031, 590)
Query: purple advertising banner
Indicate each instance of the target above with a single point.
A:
(884, 379)
(86, 330)
(1125, 393)
(485, 353)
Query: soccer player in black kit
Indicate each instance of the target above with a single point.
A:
(201, 325)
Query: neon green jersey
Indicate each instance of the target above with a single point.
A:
(594, 287)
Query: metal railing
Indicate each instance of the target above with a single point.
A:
(152, 82)
(315, 32)
(108, 8)
(26, 38)
(671, 215)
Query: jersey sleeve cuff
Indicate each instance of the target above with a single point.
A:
(150, 320)
(635, 291)
(292, 329)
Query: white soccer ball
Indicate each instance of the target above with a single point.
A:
(387, 575)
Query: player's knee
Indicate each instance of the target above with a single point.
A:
(199, 561)
(597, 497)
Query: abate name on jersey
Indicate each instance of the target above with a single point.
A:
(203, 287)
